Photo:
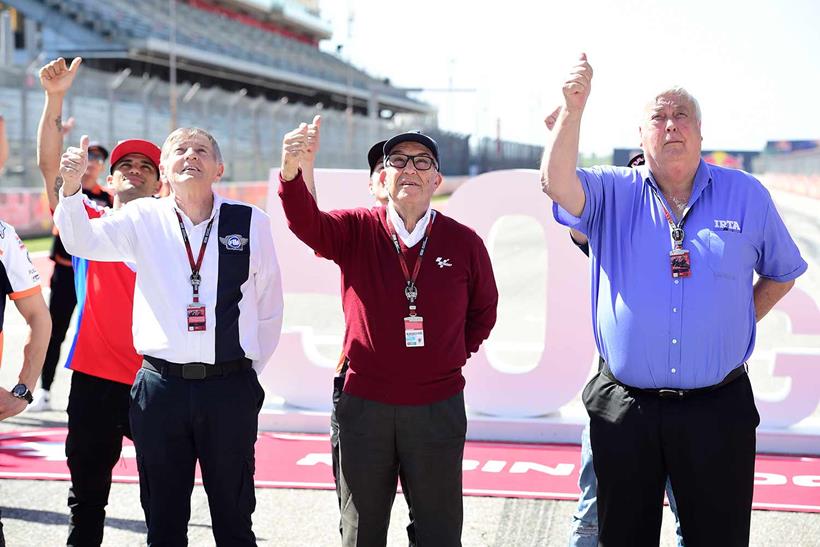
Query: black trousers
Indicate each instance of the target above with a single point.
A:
(61, 306)
(427, 443)
(338, 384)
(177, 422)
(704, 443)
(97, 423)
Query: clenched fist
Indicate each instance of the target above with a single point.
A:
(578, 85)
(56, 78)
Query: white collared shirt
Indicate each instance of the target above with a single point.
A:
(409, 238)
(243, 301)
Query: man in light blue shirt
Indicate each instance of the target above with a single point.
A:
(674, 247)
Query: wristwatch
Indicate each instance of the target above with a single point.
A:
(21, 391)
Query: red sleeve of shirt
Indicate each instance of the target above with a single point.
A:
(92, 211)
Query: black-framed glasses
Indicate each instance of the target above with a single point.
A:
(421, 162)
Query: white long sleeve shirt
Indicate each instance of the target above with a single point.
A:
(241, 287)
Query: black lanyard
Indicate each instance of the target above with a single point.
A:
(196, 279)
(410, 289)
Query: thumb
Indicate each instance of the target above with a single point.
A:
(583, 56)
(84, 143)
(75, 64)
(317, 120)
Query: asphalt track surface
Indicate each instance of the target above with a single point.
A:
(35, 512)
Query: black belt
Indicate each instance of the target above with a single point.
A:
(195, 371)
(673, 393)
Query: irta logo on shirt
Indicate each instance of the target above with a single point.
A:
(727, 225)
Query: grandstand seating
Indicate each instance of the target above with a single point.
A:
(125, 21)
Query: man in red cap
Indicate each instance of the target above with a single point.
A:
(56, 79)
(102, 357)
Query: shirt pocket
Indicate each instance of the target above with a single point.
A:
(726, 251)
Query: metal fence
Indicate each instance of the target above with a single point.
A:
(802, 162)
(494, 155)
(111, 107)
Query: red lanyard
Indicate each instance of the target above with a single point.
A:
(196, 279)
(410, 290)
(677, 229)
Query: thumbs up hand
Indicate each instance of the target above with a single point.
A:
(313, 139)
(578, 85)
(73, 165)
(56, 77)
(294, 148)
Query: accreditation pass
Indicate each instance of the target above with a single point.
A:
(413, 332)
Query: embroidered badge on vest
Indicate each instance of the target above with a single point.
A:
(234, 242)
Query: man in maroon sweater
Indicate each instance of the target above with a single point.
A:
(419, 297)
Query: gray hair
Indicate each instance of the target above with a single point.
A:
(681, 93)
(188, 132)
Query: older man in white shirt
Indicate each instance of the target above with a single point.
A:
(207, 317)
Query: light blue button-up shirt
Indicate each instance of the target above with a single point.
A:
(656, 331)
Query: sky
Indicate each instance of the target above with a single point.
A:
(753, 65)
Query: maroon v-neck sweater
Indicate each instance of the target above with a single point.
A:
(457, 298)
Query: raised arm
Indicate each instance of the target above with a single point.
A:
(577, 237)
(111, 238)
(558, 177)
(325, 233)
(56, 79)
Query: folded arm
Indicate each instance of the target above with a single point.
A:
(767, 293)
(481, 311)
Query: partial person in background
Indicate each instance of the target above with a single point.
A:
(56, 78)
(20, 281)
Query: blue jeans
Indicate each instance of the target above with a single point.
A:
(584, 530)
